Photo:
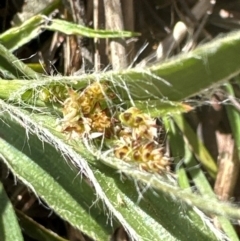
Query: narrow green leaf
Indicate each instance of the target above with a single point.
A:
(147, 209)
(125, 202)
(196, 145)
(9, 227)
(35, 230)
(37, 67)
(197, 175)
(209, 64)
(234, 118)
(159, 216)
(16, 37)
(44, 170)
(72, 28)
(9, 63)
(181, 76)
(177, 151)
(140, 214)
(31, 28)
(205, 189)
(155, 205)
(124, 197)
(184, 75)
(26, 120)
(203, 203)
(151, 207)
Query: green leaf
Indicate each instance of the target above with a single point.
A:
(35, 230)
(196, 145)
(10, 65)
(44, 170)
(9, 227)
(16, 37)
(122, 194)
(182, 151)
(146, 210)
(180, 77)
(203, 203)
(72, 29)
(174, 80)
(141, 215)
(234, 118)
(159, 216)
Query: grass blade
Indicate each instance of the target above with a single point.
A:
(32, 167)
(9, 63)
(35, 230)
(76, 29)
(196, 145)
(9, 227)
(197, 175)
(16, 37)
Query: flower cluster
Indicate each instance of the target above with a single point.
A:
(85, 112)
(82, 111)
(137, 142)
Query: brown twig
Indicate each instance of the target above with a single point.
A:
(114, 21)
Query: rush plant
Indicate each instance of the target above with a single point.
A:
(93, 148)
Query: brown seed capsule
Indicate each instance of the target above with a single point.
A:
(121, 152)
